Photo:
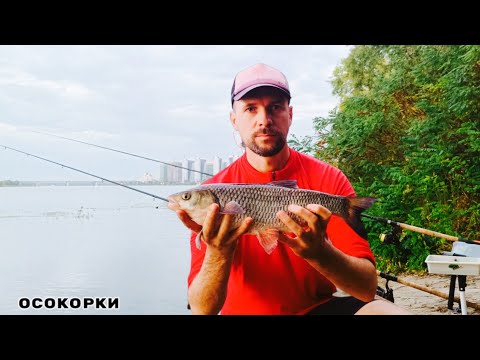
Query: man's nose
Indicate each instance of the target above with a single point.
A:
(264, 118)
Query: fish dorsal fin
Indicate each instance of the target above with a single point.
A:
(232, 208)
(292, 184)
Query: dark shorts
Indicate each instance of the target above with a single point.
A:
(345, 305)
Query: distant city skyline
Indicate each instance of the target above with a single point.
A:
(188, 171)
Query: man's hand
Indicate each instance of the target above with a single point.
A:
(308, 242)
(188, 222)
(216, 229)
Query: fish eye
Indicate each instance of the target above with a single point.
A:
(186, 196)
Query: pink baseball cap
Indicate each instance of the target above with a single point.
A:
(256, 76)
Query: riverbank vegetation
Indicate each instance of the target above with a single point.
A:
(407, 131)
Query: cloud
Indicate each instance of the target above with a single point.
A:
(166, 102)
(12, 77)
(7, 128)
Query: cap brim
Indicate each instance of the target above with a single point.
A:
(250, 88)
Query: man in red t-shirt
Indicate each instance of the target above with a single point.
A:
(231, 273)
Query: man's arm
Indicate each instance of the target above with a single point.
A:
(356, 276)
(208, 291)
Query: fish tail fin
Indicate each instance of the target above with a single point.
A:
(357, 205)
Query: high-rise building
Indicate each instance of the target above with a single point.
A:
(208, 170)
(163, 179)
(174, 173)
(199, 165)
(187, 174)
(217, 165)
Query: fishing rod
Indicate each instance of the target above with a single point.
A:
(120, 151)
(421, 230)
(84, 172)
(423, 288)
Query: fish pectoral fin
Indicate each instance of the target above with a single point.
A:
(233, 208)
(268, 239)
(198, 240)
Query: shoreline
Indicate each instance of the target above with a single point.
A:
(421, 302)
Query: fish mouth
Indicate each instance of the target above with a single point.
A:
(173, 204)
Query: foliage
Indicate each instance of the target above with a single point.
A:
(407, 131)
(9, 182)
(305, 145)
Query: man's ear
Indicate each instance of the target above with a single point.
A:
(233, 120)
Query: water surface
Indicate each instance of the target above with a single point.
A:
(99, 242)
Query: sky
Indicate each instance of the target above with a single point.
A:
(167, 102)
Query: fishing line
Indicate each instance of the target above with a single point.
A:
(120, 151)
(84, 172)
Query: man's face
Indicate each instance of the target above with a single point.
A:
(262, 119)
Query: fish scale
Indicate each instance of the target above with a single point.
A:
(262, 202)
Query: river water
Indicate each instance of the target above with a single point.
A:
(64, 244)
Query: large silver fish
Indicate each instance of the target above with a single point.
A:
(262, 202)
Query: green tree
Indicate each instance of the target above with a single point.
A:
(407, 131)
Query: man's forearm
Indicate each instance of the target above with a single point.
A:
(208, 291)
(355, 276)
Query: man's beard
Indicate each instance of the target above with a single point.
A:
(265, 151)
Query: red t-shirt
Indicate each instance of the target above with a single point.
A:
(282, 282)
